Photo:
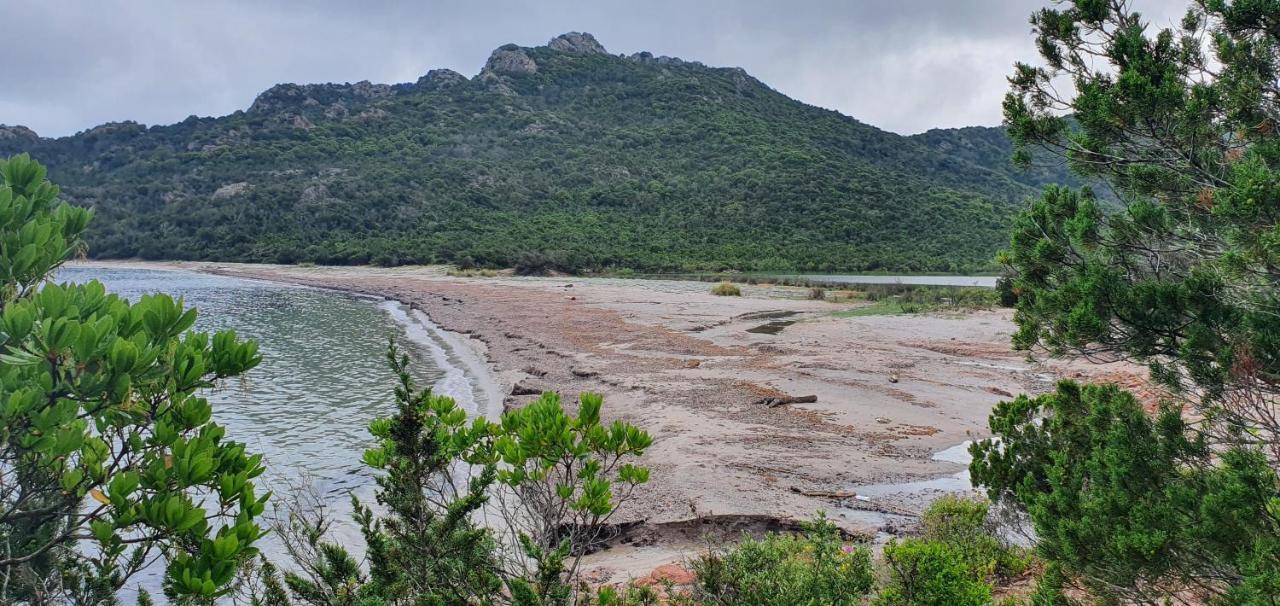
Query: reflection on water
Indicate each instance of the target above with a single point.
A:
(322, 379)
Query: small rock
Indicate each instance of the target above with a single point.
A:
(520, 389)
(668, 574)
(231, 189)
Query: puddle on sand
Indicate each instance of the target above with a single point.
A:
(958, 482)
(772, 328)
(887, 521)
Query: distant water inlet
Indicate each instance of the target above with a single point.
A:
(323, 378)
(835, 280)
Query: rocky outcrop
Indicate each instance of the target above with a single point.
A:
(368, 90)
(289, 96)
(314, 193)
(648, 57)
(337, 111)
(17, 132)
(440, 79)
(510, 60)
(230, 190)
(371, 114)
(580, 43)
(128, 127)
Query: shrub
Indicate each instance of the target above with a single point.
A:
(533, 264)
(784, 570)
(1008, 293)
(817, 294)
(726, 289)
(961, 524)
(110, 453)
(929, 573)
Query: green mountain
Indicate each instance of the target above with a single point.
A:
(561, 152)
(990, 146)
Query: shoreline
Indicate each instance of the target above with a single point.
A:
(891, 391)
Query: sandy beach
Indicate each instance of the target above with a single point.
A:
(891, 391)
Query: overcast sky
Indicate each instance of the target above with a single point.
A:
(903, 65)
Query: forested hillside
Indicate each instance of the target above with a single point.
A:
(562, 151)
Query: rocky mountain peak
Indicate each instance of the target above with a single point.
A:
(16, 131)
(438, 79)
(292, 96)
(577, 42)
(510, 60)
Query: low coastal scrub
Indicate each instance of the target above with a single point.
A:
(816, 567)
(471, 273)
(726, 289)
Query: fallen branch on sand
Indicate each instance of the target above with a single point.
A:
(829, 494)
(775, 401)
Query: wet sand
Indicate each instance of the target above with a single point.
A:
(892, 391)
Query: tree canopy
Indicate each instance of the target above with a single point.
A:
(1183, 277)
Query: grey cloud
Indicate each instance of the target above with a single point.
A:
(905, 66)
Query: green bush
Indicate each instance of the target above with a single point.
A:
(786, 570)
(929, 573)
(726, 289)
(961, 524)
(110, 454)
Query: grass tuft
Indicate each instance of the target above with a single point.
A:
(726, 289)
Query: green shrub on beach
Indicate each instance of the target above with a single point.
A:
(784, 569)
(962, 524)
(929, 573)
(726, 289)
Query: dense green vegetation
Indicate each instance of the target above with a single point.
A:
(109, 458)
(1175, 499)
(569, 159)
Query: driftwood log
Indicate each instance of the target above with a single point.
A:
(830, 494)
(774, 401)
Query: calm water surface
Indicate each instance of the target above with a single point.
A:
(984, 281)
(322, 379)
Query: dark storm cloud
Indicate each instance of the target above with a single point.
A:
(905, 65)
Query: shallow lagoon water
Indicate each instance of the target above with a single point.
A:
(322, 379)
